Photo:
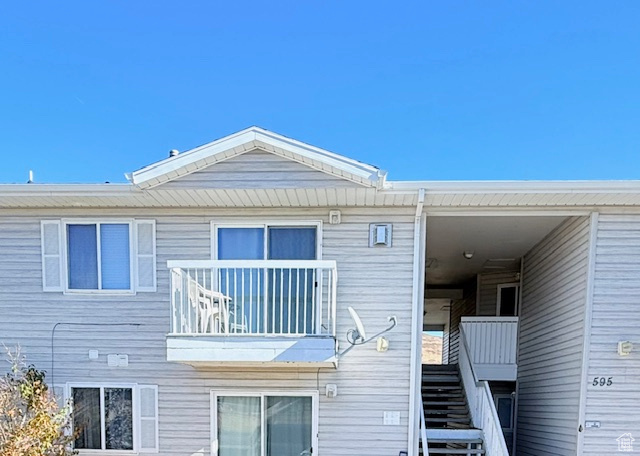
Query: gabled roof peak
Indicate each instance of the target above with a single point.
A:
(257, 138)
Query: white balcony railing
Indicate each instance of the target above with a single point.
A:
(483, 411)
(253, 297)
(493, 345)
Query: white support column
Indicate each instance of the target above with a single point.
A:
(419, 251)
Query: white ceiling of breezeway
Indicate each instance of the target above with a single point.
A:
(494, 241)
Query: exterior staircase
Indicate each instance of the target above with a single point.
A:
(447, 417)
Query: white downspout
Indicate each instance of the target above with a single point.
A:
(416, 325)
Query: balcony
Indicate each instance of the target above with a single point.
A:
(493, 345)
(253, 312)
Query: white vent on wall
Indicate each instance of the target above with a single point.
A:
(380, 234)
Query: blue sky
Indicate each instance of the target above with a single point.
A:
(425, 90)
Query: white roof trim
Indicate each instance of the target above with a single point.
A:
(251, 138)
(536, 187)
(78, 190)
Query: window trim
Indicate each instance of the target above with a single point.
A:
(135, 416)
(214, 394)
(499, 396)
(317, 224)
(65, 255)
(499, 288)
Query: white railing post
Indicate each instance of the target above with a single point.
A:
(334, 301)
(174, 290)
(423, 431)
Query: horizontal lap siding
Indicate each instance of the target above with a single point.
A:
(551, 341)
(488, 299)
(615, 317)
(459, 308)
(377, 282)
(267, 171)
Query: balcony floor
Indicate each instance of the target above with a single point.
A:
(266, 351)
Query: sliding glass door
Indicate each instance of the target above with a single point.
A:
(245, 286)
(269, 300)
(291, 294)
(264, 425)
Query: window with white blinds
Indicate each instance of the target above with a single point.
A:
(89, 256)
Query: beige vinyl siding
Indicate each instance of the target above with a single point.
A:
(267, 171)
(376, 281)
(615, 317)
(459, 308)
(445, 345)
(488, 296)
(551, 341)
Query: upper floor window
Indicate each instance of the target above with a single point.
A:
(105, 256)
(267, 242)
(508, 300)
(99, 256)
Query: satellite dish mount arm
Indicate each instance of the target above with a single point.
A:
(357, 335)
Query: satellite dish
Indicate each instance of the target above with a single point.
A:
(358, 336)
(361, 334)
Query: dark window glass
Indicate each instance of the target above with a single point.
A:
(508, 301)
(118, 418)
(86, 418)
(504, 412)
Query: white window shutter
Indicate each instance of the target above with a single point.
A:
(51, 238)
(59, 394)
(145, 255)
(148, 406)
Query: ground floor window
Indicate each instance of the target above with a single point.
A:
(264, 424)
(121, 417)
(103, 418)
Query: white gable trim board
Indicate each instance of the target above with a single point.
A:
(250, 139)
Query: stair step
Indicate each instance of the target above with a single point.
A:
(435, 394)
(453, 434)
(439, 367)
(448, 451)
(450, 403)
(441, 387)
(441, 378)
(459, 441)
(429, 419)
(447, 412)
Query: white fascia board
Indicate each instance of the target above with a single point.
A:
(202, 153)
(67, 189)
(479, 187)
(173, 164)
(348, 165)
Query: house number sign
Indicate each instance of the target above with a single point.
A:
(602, 381)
